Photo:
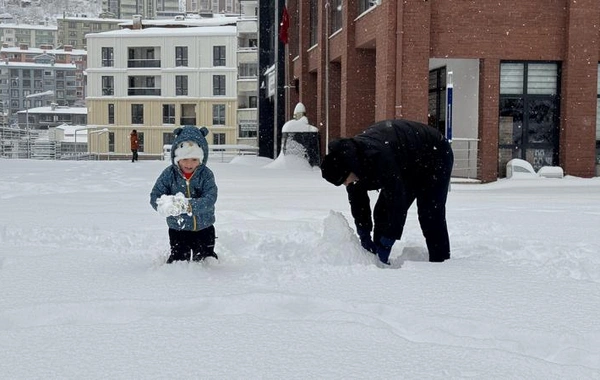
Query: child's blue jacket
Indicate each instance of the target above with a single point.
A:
(201, 188)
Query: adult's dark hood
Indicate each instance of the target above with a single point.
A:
(340, 161)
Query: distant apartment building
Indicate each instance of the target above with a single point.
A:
(168, 9)
(213, 6)
(247, 84)
(30, 35)
(157, 79)
(72, 30)
(25, 71)
(44, 118)
(148, 9)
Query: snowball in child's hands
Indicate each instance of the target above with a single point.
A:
(172, 205)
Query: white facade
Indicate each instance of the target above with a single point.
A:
(214, 6)
(200, 69)
(135, 82)
(247, 86)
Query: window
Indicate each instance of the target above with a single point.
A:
(218, 84)
(142, 57)
(218, 138)
(252, 102)
(218, 114)
(314, 22)
(168, 114)
(143, 85)
(108, 85)
(188, 114)
(248, 70)
(181, 56)
(529, 113)
(218, 55)
(436, 117)
(107, 57)
(140, 141)
(363, 5)
(168, 138)
(335, 15)
(111, 113)
(248, 129)
(137, 114)
(181, 85)
(111, 142)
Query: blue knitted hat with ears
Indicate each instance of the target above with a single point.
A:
(193, 134)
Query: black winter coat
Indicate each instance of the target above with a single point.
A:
(403, 159)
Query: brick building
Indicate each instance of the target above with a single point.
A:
(524, 73)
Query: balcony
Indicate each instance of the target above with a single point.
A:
(187, 121)
(143, 63)
(247, 55)
(247, 85)
(143, 91)
(247, 115)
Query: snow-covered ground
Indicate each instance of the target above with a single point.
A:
(83, 294)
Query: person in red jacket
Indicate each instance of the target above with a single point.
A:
(404, 160)
(135, 145)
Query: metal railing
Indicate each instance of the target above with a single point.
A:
(465, 157)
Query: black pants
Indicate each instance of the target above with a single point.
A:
(135, 155)
(430, 193)
(194, 245)
(431, 208)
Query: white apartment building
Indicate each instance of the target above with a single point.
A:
(247, 57)
(214, 6)
(157, 79)
(148, 9)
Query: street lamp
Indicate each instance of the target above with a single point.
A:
(100, 132)
(75, 130)
(38, 95)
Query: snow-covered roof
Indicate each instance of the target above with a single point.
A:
(38, 65)
(187, 22)
(33, 50)
(69, 132)
(162, 32)
(58, 109)
(95, 19)
(27, 26)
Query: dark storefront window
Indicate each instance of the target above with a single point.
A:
(529, 114)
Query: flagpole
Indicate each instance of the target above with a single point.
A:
(327, 77)
(276, 72)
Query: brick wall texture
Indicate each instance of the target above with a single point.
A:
(379, 64)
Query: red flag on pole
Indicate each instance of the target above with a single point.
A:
(284, 25)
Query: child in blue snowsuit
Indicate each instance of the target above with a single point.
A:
(186, 193)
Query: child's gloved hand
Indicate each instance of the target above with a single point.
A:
(172, 205)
